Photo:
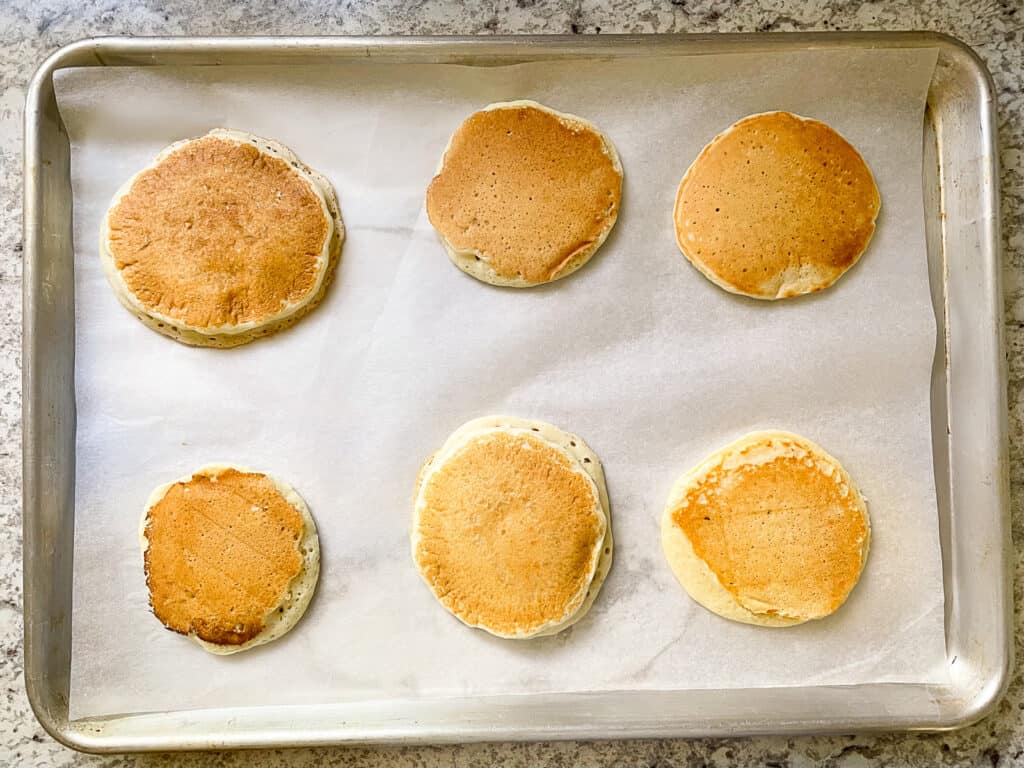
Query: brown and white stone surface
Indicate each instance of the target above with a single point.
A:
(32, 29)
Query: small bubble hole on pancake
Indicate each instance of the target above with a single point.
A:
(231, 557)
(769, 530)
(776, 206)
(524, 194)
(511, 530)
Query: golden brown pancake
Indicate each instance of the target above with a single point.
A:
(231, 557)
(222, 239)
(776, 206)
(510, 527)
(770, 530)
(525, 195)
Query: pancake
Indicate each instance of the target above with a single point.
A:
(524, 195)
(776, 206)
(231, 557)
(511, 528)
(222, 239)
(769, 530)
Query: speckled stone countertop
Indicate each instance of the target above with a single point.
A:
(31, 29)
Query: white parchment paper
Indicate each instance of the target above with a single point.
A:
(652, 364)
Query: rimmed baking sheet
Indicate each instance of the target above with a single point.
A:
(638, 353)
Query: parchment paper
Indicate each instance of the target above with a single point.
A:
(653, 365)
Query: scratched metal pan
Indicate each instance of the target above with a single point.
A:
(969, 416)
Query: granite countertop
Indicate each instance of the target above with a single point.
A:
(31, 29)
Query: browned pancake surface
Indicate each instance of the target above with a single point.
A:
(219, 233)
(221, 553)
(776, 206)
(508, 533)
(783, 537)
(525, 189)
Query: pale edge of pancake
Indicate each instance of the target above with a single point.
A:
(693, 573)
(475, 263)
(299, 593)
(225, 336)
(808, 286)
(560, 441)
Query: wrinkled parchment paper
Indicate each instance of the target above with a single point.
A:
(652, 364)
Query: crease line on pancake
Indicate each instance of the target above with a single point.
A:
(291, 603)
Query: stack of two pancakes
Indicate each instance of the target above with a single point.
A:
(231, 557)
(511, 527)
(222, 239)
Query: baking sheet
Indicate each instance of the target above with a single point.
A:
(638, 353)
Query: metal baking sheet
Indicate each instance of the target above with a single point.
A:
(968, 424)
